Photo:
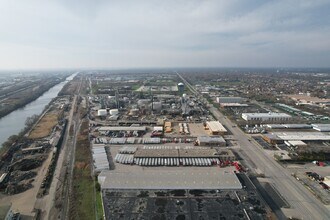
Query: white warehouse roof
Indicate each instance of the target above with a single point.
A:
(216, 126)
(303, 136)
(264, 116)
(176, 179)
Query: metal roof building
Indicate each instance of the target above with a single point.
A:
(303, 136)
(266, 117)
(211, 141)
(321, 127)
(229, 99)
(176, 179)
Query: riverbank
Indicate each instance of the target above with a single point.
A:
(28, 95)
(13, 123)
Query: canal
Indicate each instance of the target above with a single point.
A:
(14, 122)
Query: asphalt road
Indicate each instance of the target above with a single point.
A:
(303, 204)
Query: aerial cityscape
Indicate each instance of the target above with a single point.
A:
(165, 110)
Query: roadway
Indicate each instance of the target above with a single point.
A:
(303, 204)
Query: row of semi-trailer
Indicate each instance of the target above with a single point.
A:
(129, 159)
(124, 158)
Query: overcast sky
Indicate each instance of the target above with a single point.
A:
(164, 33)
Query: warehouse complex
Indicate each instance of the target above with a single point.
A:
(173, 156)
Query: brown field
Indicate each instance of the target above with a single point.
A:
(45, 126)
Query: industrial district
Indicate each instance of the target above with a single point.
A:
(174, 144)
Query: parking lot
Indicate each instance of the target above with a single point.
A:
(182, 204)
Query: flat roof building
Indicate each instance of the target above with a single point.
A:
(176, 179)
(211, 141)
(321, 127)
(216, 128)
(229, 99)
(303, 136)
(266, 117)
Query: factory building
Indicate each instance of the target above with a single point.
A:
(266, 117)
(215, 128)
(211, 141)
(229, 100)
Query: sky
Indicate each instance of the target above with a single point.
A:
(39, 34)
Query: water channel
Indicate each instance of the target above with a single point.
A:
(14, 122)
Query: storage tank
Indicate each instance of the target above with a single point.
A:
(102, 112)
(114, 112)
(180, 87)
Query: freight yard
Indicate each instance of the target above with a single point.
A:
(155, 146)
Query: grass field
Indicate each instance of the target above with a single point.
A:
(44, 126)
(83, 184)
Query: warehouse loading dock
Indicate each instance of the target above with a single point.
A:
(173, 156)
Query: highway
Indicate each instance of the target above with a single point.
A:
(303, 204)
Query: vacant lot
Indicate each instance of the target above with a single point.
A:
(45, 126)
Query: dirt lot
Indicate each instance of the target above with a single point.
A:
(45, 126)
(24, 202)
(195, 129)
(300, 172)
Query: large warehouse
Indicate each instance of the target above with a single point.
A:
(266, 117)
(303, 136)
(170, 179)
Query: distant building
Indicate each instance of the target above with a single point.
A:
(229, 99)
(266, 117)
(305, 99)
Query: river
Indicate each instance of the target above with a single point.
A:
(14, 122)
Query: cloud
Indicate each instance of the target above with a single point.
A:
(102, 33)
